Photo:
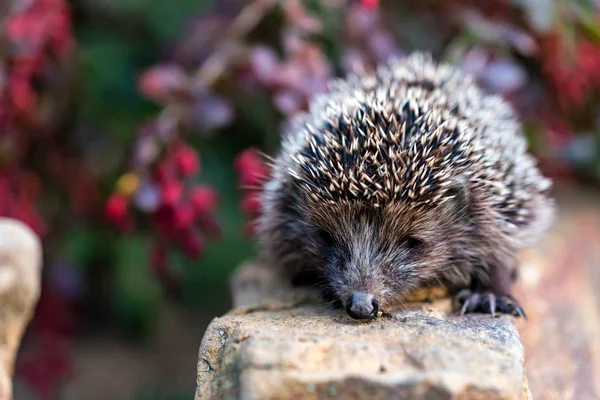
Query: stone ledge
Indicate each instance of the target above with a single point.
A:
(280, 343)
(20, 274)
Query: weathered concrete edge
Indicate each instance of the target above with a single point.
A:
(255, 289)
(218, 341)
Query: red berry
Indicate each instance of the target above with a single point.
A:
(162, 172)
(164, 218)
(204, 199)
(245, 158)
(192, 244)
(171, 192)
(251, 203)
(370, 4)
(116, 208)
(187, 161)
(184, 216)
(251, 169)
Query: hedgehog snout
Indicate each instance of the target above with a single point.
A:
(362, 306)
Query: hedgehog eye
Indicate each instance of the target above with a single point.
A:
(331, 254)
(326, 238)
(412, 243)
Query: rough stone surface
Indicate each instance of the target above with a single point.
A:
(20, 269)
(282, 344)
(560, 288)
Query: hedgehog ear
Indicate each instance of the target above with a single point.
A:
(458, 193)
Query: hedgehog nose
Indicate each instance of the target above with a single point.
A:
(362, 306)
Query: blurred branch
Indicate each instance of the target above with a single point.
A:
(215, 65)
(246, 20)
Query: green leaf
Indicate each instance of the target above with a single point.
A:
(591, 27)
(79, 243)
(137, 295)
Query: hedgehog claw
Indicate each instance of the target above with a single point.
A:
(512, 307)
(520, 312)
(462, 295)
(491, 301)
(487, 303)
(463, 310)
(474, 302)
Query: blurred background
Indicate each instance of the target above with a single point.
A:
(130, 140)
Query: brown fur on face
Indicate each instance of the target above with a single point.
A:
(387, 252)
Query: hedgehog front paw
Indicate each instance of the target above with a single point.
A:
(469, 301)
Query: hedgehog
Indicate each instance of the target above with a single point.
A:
(406, 178)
